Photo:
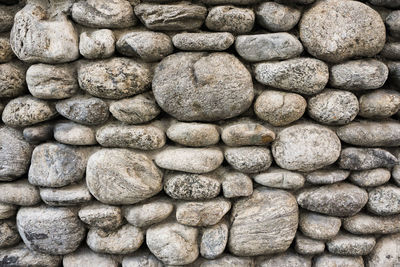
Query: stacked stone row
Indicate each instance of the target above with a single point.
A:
(212, 133)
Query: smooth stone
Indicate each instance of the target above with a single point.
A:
(384, 200)
(114, 78)
(71, 133)
(286, 259)
(202, 87)
(213, 240)
(55, 231)
(247, 134)
(370, 178)
(19, 193)
(229, 260)
(359, 159)
(6, 53)
(299, 75)
(340, 199)
(350, 245)
(39, 132)
(7, 210)
(329, 260)
(69, 195)
(124, 240)
(202, 213)
(306, 147)
(97, 44)
(366, 224)
(391, 50)
(280, 178)
(328, 176)
(318, 226)
(386, 3)
(98, 215)
(193, 134)
(277, 17)
(267, 47)
(193, 160)
(333, 107)
(203, 41)
(279, 108)
(308, 246)
(141, 258)
(9, 234)
(26, 110)
(385, 252)
(12, 79)
(22, 256)
(86, 257)
(146, 45)
(394, 72)
(393, 23)
(379, 104)
(230, 19)
(236, 184)
(248, 159)
(121, 176)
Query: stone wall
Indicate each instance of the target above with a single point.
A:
(205, 133)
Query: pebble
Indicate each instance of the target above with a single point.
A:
(366, 224)
(318, 226)
(248, 159)
(277, 17)
(230, 19)
(379, 104)
(308, 246)
(193, 134)
(19, 193)
(203, 41)
(86, 257)
(370, 178)
(21, 255)
(69, 195)
(12, 79)
(71, 133)
(213, 240)
(280, 178)
(141, 258)
(98, 215)
(97, 44)
(229, 260)
(236, 184)
(247, 134)
(7, 210)
(329, 260)
(359, 159)
(384, 200)
(9, 234)
(6, 53)
(351, 245)
(392, 23)
(327, 176)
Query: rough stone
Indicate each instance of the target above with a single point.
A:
(99, 215)
(379, 104)
(391, 50)
(69, 195)
(329, 260)
(22, 256)
(38, 133)
(7, 210)
(385, 252)
(365, 224)
(277, 17)
(213, 240)
(6, 53)
(386, 3)
(327, 176)
(318, 226)
(230, 19)
(86, 257)
(9, 234)
(141, 258)
(286, 259)
(7, 14)
(236, 184)
(280, 178)
(19, 193)
(229, 260)
(12, 79)
(97, 44)
(394, 72)
(248, 159)
(359, 159)
(203, 41)
(384, 200)
(370, 178)
(72, 133)
(247, 134)
(193, 134)
(393, 23)
(351, 245)
(308, 246)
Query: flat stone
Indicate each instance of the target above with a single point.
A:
(385, 253)
(69, 195)
(392, 23)
(318, 226)
(203, 41)
(71, 133)
(39, 132)
(193, 134)
(7, 210)
(379, 104)
(9, 234)
(229, 260)
(12, 79)
(230, 19)
(286, 259)
(391, 50)
(141, 258)
(351, 245)
(384, 200)
(86, 257)
(19, 193)
(370, 178)
(300, 75)
(246, 134)
(308, 246)
(236, 184)
(277, 17)
(248, 159)
(97, 44)
(329, 260)
(213, 240)
(22, 256)
(6, 53)
(365, 224)
(280, 178)
(359, 159)
(99, 215)
(327, 176)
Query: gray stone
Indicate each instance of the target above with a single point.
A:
(213, 240)
(351, 245)
(38, 132)
(50, 230)
(308, 246)
(228, 260)
(230, 19)
(9, 234)
(365, 224)
(203, 41)
(384, 200)
(385, 252)
(280, 178)
(322, 33)
(97, 44)
(248, 159)
(12, 79)
(340, 199)
(359, 159)
(391, 50)
(327, 176)
(232, 2)
(72, 133)
(146, 45)
(267, 47)
(141, 258)
(22, 256)
(393, 23)
(69, 195)
(7, 210)
(306, 147)
(246, 134)
(202, 87)
(114, 78)
(6, 53)
(276, 17)
(193, 134)
(236, 184)
(279, 108)
(287, 259)
(386, 3)
(86, 257)
(379, 104)
(318, 226)
(396, 174)
(329, 260)
(177, 17)
(7, 14)
(255, 220)
(333, 107)
(394, 72)
(98, 215)
(300, 75)
(370, 178)
(19, 193)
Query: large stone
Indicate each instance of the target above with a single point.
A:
(203, 41)
(384, 200)
(69, 195)
(72, 133)
(276, 17)
(248, 159)
(330, 260)
(200, 86)
(255, 220)
(97, 44)
(19, 193)
(351, 245)
(193, 134)
(246, 134)
(318, 226)
(22, 256)
(379, 104)
(9, 234)
(287, 259)
(370, 178)
(353, 158)
(230, 19)
(327, 176)
(98, 215)
(213, 240)
(86, 257)
(280, 178)
(385, 252)
(12, 79)
(360, 30)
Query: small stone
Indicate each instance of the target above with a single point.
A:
(114, 78)
(232, 2)
(86, 257)
(42, 228)
(203, 41)
(328, 176)
(38, 132)
(329, 260)
(385, 252)
(394, 72)
(138, 109)
(202, 213)
(333, 107)
(391, 50)
(72, 133)
(279, 108)
(193, 134)
(236, 184)
(351, 245)
(286, 259)
(393, 23)
(247, 134)
(300, 75)
(98, 215)
(146, 45)
(19, 193)
(340, 199)
(229, 260)
(379, 104)
(177, 17)
(9, 234)
(213, 240)
(173, 243)
(97, 44)
(384, 200)
(22, 256)
(104, 13)
(230, 19)
(276, 17)
(370, 178)
(12, 79)
(7, 210)
(248, 159)
(308, 246)
(280, 178)
(6, 53)
(141, 258)
(66, 196)
(267, 47)
(366, 224)
(359, 159)
(124, 240)
(318, 226)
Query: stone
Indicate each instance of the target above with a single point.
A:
(66, 196)
(134, 110)
(379, 104)
(308, 246)
(26, 110)
(327, 176)
(9, 234)
(233, 2)
(7, 210)
(363, 74)
(38, 133)
(391, 50)
(141, 258)
(147, 213)
(370, 178)
(203, 41)
(114, 78)
(385, 253)
(56, 165)
(333, 107)
(256, 219)
(193, 134)
(71, 133)
(193, 160)
(392, 23)
(299, 75)
(286, 259)
(248, 159)
(306, 147)
(213, 240)
(15, 154)
(318, 226)
(190, 186)
(394, 72)
(21, 255)
(7, 14)
(279, 108)
(6, 53)
(98, 215)
(124, 240)
(52, 81)
(12, 79)
(247, 134)
(322, 33)
(121, 176)
(280, 178)
(268, 47)
(329, 260)
(202, 213)
(55, 231)
(365, 224)
(384, 200)
(202, 87)
(83, 109)
(236, 184)
(173, 243)
(359, 159)
(276, 17)
(229, 260)
(147, 45)
(386, 3)
(144, 137)
(33, 38)
(230, 19)
(103, 13)
(340, 199)
(86, 257)
(97, 44)
(178, 17)
(351, 245)
(19, 193)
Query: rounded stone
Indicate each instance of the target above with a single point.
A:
(370, 178)
(308, 246)
(330, 260)
(97, 44)
(385, 252)
(86, 257)
(365, 224)
(39, 132)
(280, 178)
(200, 86)
(71, 133)
(6, 53)
(248, 159)
(21, 255)
(277, 17)
(351, 245)
(98, 215)
(327, 176)
(236, 184)
(384, 200)
(70, 195)
(318, 226)
(393, 23)
(391, 50)
(9, 234)
(141, 258)
(203, 41)
(354, 158)
(19, 193)
(286, 259)
(230, 19)
(213, 240)
(12, 79)
(246, 134)
(379, 104)
(193, 134)
(7, 210)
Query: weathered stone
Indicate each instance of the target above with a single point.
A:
(72, 133)
(22, 256)
(287, 259)
(193, 134)
(203, 41)
(386, 3)
(66, 196)
(9, 234)
(370, 178)
(384, 200)
(6, 53)
(276, 17)
(379, 104)
(101, 216)
(329, 260)
(7, 14)
(385, 252)
(248, 159)
(393, 23)
(7, 210)
(394, 72)
(12, 79)
(38, 132)
(358, 159)
(19, 193)
(351, 245)
(229, 260)
(308, 246)
(87, 257)
(327, 176)
(391, 50)
(236, 184)
(280, 178)
(247, 134)
(364, 224)
(97, 44)
(213, 240)
(300, 75)
(318, 226)
(230, 19)
(141, 258)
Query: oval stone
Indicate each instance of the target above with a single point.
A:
(12, 79)
(384, 200)
(248, 159)
(379, 104)
(230, 19)
(246, 134)
(193, 134)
